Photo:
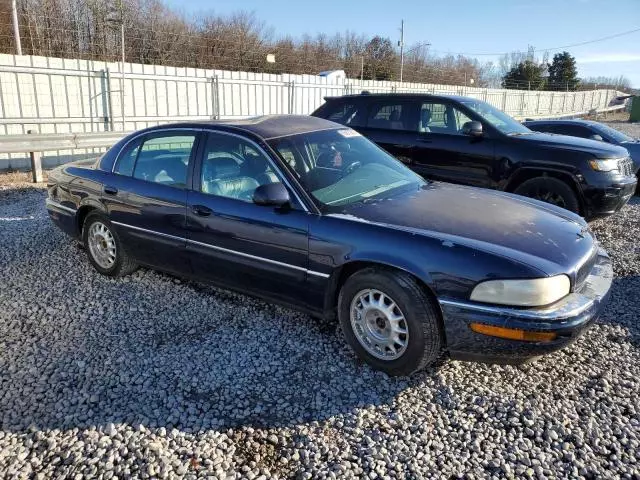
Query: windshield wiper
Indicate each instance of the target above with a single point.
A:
(517, 134)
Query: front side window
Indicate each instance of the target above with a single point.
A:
(164, 158)
(438, 117)
(341, 167)
(232, 167)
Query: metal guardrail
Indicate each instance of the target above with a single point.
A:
(35, 143)
(42, 142)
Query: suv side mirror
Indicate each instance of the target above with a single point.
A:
(271, 194)
(473, 129)
(597, 137)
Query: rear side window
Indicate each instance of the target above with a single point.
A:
(574, 131)
(127, 159)
(393, 115)
(164, 159)
(346, 113)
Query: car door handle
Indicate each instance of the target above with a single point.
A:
(108, 189)
(403, 145)
(424, 140)
(201, 210)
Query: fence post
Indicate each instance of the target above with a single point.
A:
(36, 163)
(292, 104)
(107, 105)
(551, 103)
(215, 97)
(522, 102)
(504, 101)
(538, 104)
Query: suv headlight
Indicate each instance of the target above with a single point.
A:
(535, 292)
(605, 165)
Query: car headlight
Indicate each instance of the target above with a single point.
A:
(535, 292)
(604, 165)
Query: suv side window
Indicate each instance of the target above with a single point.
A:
(392, 115)
(439, 117)
(346, 113)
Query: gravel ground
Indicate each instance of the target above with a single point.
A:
(149, 376)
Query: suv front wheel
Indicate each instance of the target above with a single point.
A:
(550, 190)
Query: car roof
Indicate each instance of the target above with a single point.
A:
(265, 126)
(573, 121)
(431, 96)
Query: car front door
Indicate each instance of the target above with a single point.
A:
(146, 196)
(392, 124)
(443, 152)
(231, 240)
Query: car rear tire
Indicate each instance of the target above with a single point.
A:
(104, 248)
(550, 190)
(390, 321)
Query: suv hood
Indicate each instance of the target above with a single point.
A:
(534, 233)
(564, 142)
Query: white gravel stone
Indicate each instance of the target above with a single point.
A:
(149, 377)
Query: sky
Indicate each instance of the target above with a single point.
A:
(463, 26)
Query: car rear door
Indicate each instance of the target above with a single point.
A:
(443, 152)
(146, 196)
(234, 242)
(392, 124)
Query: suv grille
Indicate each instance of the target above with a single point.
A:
(625, 166)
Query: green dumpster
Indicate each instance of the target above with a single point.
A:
(635, 109)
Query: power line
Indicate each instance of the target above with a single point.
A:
(587, 42)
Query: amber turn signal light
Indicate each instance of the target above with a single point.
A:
(513, 333)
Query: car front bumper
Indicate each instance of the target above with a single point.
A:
(607, 199)
(568, 318)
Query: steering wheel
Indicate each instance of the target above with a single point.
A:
(352, 167)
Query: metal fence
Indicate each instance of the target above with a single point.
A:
(54, 95)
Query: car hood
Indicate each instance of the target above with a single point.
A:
(540, 235)
(565, 142)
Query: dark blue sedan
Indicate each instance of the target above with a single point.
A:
(307, 213)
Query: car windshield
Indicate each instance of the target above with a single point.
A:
(341, 167)
(497, 118)
(612, 133)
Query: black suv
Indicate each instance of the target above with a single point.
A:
(465, 140)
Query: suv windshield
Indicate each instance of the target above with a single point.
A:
(497, 118)
(341, 167)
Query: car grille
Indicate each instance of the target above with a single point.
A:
(584, 270)
(625, 166)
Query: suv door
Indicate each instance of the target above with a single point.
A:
(234, 242)
(443, 152)
(392, 123)
(146, 197)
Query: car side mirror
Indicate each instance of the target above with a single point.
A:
(473, 129)
(271, 194)
(596, 137)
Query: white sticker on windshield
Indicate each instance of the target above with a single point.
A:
(348, 133)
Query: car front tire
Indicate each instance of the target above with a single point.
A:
(390, 321)
(104, 248)
(550, 190)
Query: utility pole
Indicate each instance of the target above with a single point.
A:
(401, 44)
(16, 27)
